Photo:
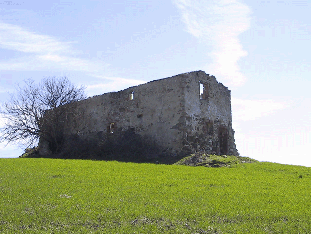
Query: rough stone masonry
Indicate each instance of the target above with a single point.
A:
(183, 114)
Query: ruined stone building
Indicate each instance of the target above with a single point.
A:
(182, 114)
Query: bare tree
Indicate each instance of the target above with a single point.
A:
(25, 111)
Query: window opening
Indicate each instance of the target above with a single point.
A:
(132, 96)
(201, 90)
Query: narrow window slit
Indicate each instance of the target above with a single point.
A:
(201, 91)
(132, 96)
(111, 128)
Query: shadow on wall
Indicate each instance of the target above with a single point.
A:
(126, 146)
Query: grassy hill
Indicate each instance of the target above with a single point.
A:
(84, 196)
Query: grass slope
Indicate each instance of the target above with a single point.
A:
(82, 196)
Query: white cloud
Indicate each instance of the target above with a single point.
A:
(10, 151)
(46, 53)
(288, 147)
(16, 38)
(42, 52)
(253, 109)
(54, 62)
(218, 23)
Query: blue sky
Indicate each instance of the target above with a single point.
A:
(260, 50)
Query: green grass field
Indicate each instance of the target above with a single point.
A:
(84, 196)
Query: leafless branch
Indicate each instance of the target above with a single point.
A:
(24, 112)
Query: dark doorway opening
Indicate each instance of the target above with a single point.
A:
(223, 136)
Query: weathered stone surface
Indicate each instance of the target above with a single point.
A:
(170, 111)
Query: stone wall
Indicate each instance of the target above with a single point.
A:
(208, 117)
(169, 111)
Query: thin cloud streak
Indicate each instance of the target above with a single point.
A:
(16, 38)
(218, 23)
(53, 63)
(46, 53)
(42, 52)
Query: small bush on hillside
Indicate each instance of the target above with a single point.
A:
(31, 153)
(201, 159)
